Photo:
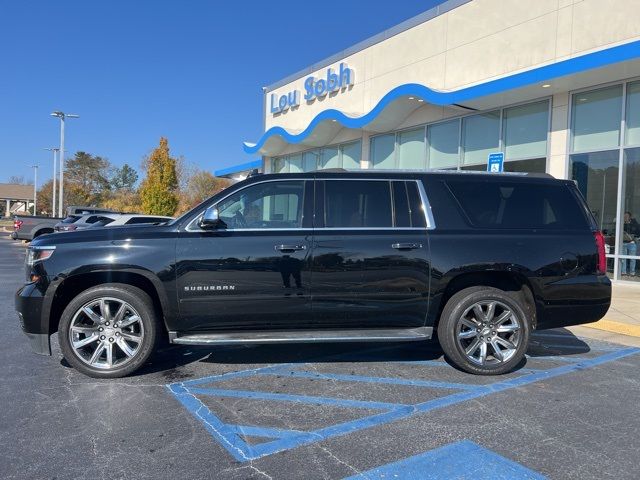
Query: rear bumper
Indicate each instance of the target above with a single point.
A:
(575, 301)
(14, 235)
(29, 302)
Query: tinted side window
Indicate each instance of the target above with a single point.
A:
(491, 204)
(401, 205)
(93, 219)
(264, 205)
(357, 204)
(103, 222)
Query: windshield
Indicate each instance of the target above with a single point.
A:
(70, 219)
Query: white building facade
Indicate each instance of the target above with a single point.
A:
(552, 84)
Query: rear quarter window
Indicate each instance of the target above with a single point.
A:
(492, 204)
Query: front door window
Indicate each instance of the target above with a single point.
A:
(266, 205)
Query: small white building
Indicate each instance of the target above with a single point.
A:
(16, 198)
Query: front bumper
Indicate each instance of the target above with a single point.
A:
(29, 301)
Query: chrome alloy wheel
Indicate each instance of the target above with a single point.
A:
(106, 333)
(488, 332)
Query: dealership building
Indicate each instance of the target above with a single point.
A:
(553, 85)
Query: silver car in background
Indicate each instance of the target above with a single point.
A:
(130, 219)
(85, 221)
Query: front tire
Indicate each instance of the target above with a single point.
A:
(484, 330)
(108, 331)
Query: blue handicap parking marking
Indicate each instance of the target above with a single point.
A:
(235, 438)
(463, 460)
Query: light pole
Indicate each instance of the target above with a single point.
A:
(35, 189)
(62, 116)
(55, 160)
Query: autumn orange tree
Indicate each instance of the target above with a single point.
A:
(199, 186)
(159, 189)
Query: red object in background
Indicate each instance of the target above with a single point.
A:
(602, 258)
(17, 224)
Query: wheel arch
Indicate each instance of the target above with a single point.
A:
(42, 231)
(73, 285)
(509, 281)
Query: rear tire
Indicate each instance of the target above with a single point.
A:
(108, 331)
(484, 330)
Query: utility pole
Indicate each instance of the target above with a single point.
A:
(55, 161)
(62, 116)
(35, 189)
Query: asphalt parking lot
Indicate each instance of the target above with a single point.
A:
(364, 411)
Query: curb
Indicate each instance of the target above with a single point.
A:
(615, 327)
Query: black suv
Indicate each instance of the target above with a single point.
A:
(328, 256)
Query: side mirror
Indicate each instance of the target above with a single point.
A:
(211, 219)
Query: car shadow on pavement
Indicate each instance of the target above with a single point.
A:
(169, 359)
(557, 342)
(326, 353)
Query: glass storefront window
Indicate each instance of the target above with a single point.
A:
(532, 165)
(597, 177)
(411, 151)
(382, 151)
(595, 119)
(632, 122)
(351, 155)
(443, 144)
(480, 137)
(295, 163)
(629, 239)
(525, 130)
(310, 160)
(279, 165)
(329, 158)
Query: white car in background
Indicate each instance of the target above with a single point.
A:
(110, 220)
(86, 221)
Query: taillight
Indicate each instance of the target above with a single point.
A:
(602, 258)
(17, 224)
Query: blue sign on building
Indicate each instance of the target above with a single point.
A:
(314, 88)
(495, 162)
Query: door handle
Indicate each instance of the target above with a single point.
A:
(406, 246)
(290, 248)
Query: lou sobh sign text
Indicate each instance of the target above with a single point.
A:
(314, 88)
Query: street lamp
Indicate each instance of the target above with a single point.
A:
(62, 116)
(53, 202)
(35, 189)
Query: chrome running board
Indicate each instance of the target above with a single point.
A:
(302, 336)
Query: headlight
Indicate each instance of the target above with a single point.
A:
(38, 254)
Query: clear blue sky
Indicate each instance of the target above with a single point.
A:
(138, 70)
